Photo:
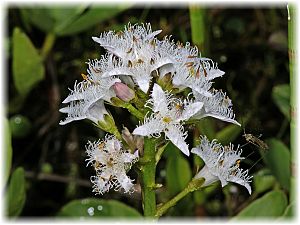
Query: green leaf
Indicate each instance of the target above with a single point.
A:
(178, 172)
(40, 17)
(7, 150)
(92, 207)
(281, 97)
(263, 181)
(271, 204)
(28, 67)
(52, 20)
(16, 193)
(91, 17)
(289, 212)
(278, 160)
(228, 134)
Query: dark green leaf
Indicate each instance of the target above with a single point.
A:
(16, 193)
(7, 150)
(28, 67)
(263, 181)
(278, 160)
(281, 97)
(178, 172)
(271, 204)
(91, 17)
(52, 20)
(92, 207)
(228, 134)
(40, 17)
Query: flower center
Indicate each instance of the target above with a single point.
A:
(166, 119)
(110, 162)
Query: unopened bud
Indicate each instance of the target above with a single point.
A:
(123, 91)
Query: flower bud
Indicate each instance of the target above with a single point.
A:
(123, 91)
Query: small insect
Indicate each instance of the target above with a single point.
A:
(255, 141)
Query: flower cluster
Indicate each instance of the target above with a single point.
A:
(168, 113)
(221, 163)
(149, 77)
(111, 162)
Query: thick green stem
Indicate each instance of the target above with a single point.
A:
(47, 45)
(193, 185)
(148, 178)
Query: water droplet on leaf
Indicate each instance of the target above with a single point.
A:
(91, 211)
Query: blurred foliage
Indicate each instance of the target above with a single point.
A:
(93, 208)
(7, 150)
(281, 97)
(47, 51)
(16, 195)
(272, 204)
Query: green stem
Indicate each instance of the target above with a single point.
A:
(199, 35)
(133, 111)
(292, 62)
(148, 178)
(126, 105)
(47, 45)
(193, 185)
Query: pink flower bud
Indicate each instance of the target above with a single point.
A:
(123, 91)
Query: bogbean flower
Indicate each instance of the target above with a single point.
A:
(111, 163)
(79, 111)
(137, 48)
(86, 101)
(132, 45)
(221, 163)
(168, 114)
(218, 106)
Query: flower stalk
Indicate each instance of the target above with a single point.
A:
(148, 178)
(193, 185)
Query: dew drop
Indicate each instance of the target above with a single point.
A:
(91, 211)
(100, 207)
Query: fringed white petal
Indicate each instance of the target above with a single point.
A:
(190, 110)
(177, 136)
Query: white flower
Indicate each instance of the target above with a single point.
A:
(133, 44)
(168, 114)
(136, 48)
(86, 101)
(183, 78)
(218, 106)
(78, 110)
(221, 163)
(111, 163)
